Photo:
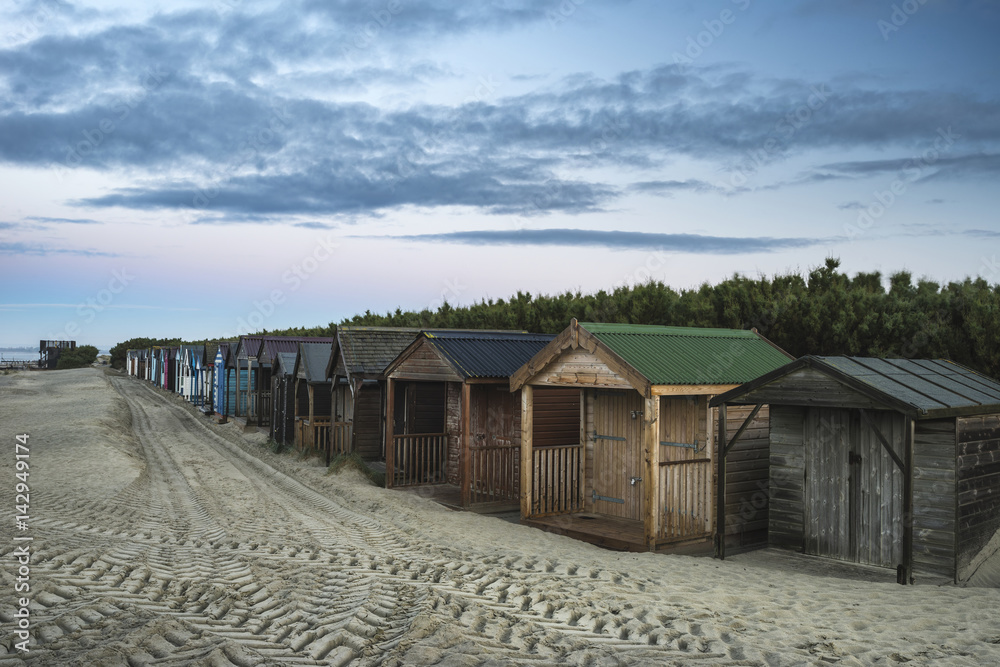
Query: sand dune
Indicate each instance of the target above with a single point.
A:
(161, 538)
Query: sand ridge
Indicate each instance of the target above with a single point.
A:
(163, 538)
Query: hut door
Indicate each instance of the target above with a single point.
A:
(618, 484)
(853, 491)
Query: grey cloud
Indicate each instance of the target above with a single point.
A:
(617, 240)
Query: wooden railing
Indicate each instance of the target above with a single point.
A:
(557, 480)
(418, 458)
(313, 435)
(340, 438)
(494, 473)
(685, 499)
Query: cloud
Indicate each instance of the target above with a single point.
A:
(42, 251)
(852, 206)
(616, 240)
(927, 166)
(63, 221)
(667, 188)
(250, 106)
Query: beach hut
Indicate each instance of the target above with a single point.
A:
(893, 463)
(312, 398)
(205, 398)
(247, 370)
(451, 419)
(168, 371)
(282, 421)
(270, 347)
(617, 444)
(357, 373)
(188, 363)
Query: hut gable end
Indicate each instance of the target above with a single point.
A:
(579, 367)
(810, 387)
(423, 362)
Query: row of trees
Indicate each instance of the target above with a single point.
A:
(825, 312)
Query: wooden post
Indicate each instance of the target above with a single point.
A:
(651, 437)
(720, 485)
(466, 444)
(527, 428)
(906, 576)
(390, 444)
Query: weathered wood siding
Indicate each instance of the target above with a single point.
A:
(809, 387)
(368, 422)
(787, 479)
(747, 476)
(424, 364)
(934, 508)
(978, 486)
(580, 368)
(453, 427)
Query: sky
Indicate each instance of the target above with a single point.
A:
(200, 169)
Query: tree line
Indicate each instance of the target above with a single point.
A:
(825, 312)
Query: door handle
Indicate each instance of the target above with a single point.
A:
(633, 480)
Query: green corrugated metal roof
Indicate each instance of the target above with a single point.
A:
(689, 355)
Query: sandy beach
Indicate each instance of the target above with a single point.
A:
(161, 538)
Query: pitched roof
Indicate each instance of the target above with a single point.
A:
(486, 354)
(248, 346)
(271, 346)
(284, 363)
(690, 355)
(924, 388)
(311, 361)
(210, 349)
(368, 350)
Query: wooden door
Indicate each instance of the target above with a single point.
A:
(686, 469)
(618, 465)
(853, 490)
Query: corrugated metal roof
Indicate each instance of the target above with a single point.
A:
(689, 355)
(926, 384)
(487, 354)
(313, 358)
(368, 350)
(271, 346)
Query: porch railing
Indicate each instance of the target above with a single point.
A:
(419, 458)
(494, 473)
(340, 438)
(557, 480)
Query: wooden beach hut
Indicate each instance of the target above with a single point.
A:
(312, 398)
(893, 463)
(282, 422)
(205, 398)
(188, 365)
(357, 373)
(270, 347)
(617, 443)
(247, 371)
(451, 419)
